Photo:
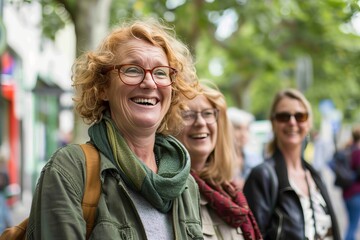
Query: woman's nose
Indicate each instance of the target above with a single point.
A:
(148, 81)
(199, 120)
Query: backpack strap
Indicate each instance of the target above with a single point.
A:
(90, 199)
(15, 232)
(92, 186)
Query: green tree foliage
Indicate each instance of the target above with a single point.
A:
(308, 45)
(251, 49)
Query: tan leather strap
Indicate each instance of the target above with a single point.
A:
(15, 232)
(92, 186)
(90, 199)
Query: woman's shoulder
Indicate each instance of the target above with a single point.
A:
(64, 171)
(70, 151)
(263, 169)
(214, 227)
(69, 158)
(263, 174)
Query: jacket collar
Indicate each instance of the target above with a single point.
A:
(282, 173)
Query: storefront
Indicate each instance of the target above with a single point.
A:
(10, 131)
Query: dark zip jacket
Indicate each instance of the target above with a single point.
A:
(275, 204)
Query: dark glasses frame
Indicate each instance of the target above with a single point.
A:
(284, 117)
(172, 74)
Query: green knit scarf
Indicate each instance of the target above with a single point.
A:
(159, 189)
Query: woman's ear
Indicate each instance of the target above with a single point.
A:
(103, 95)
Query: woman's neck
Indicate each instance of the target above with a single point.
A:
(292, 157)
(198, 163)
(143, 148)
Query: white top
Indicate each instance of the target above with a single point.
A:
(323, 219)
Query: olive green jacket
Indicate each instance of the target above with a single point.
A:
(56, 211)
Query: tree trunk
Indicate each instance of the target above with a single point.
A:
(91, 21)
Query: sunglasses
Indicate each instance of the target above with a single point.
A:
(285, 117)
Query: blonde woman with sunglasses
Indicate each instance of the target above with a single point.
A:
(287, 196)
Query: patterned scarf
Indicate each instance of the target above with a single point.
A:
(230, 204)
(159, 189)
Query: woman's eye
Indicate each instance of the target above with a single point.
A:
(133, 70)
(160, 73)
(188, 115)
(207, 113)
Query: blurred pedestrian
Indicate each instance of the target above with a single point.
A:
(5, 215)
(351, 194)
(286, 195)
(208, 138)
(246, 158)
(126, 88)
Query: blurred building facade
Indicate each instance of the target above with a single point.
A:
(35, 90)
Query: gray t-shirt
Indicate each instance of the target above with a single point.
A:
(158, 225)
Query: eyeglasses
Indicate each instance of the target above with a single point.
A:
(131, 74)
(209, 115)
(285, 116)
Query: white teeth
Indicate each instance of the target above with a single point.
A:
(291, 133)
(151, 101)
(200, 135)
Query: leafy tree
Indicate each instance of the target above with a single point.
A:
(275, 44)
(250, 49)
(91, 21)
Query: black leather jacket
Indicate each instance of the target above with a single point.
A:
(276, 205)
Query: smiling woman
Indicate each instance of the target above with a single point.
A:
(286, 194)
(127, 89)
(207, 135)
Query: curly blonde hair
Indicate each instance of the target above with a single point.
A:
(89, 83)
